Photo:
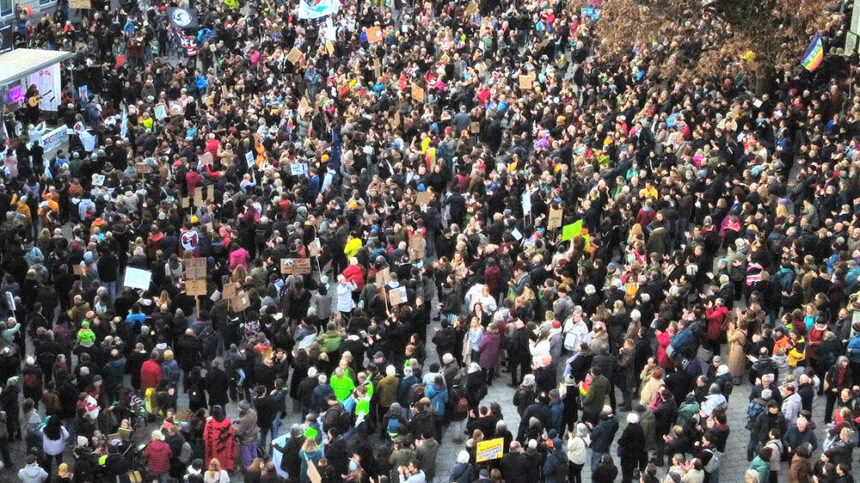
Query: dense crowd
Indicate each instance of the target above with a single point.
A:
(480, 182)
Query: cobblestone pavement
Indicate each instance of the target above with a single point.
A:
(732, 466)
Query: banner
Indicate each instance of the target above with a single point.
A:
(311, 9)
(183, 18)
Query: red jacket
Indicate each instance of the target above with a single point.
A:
(150, 374)
(157, 457)
(356, 274)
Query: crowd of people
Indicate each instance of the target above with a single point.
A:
(363, 222)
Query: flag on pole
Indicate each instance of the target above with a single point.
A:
(123, 127)
(814, 55)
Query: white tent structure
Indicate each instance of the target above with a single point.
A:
(20, 68)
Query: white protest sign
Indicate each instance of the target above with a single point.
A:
(137, 278)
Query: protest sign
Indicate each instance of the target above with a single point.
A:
(294, 55)
(572, 230)
(195, 268)
(195, 287)
(417, 93)
(295, 266)
(490, 450)
(137, 278)
(374, 34)
(397, 296)
(555, 216)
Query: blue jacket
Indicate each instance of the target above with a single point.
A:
(171, 371)
(556, 413)
(854, 349)
(438, 398)
(603, 434)
(461, 473)
(555, 467)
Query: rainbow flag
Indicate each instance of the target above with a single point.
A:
(814, 55)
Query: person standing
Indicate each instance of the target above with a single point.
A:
(157, 454)
(631, 449)
(247, 433)
(218, 439)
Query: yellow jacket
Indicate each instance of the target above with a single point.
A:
(797, 354)
(352, 247)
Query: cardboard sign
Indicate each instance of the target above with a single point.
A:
(84, 4)
(296, 266)
(142, 168)
(374, 34)
(230, 290)
(304, 107)
(377, 68)
(329, 48)
(198, 196)
(184, 202)
(206, 159)
(294, 55)
(313, 473)
(98, 179)
(210, 192)
(195, 268)
(137, 278)
(423, 198)
(416, 247)
(526, 82)
(397, 296)
(195, 287)
(471, 10)
(474, 127)
(79, 270)
(241, 302)
(395, 121)
(417, 93)
(490, 450)
(383, 277)
(315, 248)
(554, 218)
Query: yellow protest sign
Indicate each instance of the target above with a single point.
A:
(489, 450)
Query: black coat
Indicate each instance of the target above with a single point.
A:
(188, 350)
(515, 468)
(631, 446)
(216, 386)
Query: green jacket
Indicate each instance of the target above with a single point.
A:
(330, 341)
(686, 413)
(387, 390)
(596, 397)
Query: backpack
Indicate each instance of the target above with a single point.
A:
(754, 410)
(185, 454)
(714, 462)
(344, 420)
(461, 403)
